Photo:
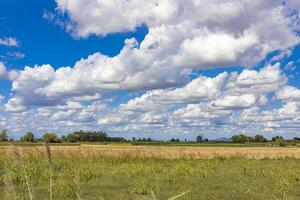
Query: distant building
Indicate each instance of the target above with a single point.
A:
(200, 138)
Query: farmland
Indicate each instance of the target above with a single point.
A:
(137, 172)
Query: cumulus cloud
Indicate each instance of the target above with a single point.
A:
(236, 90)
(195, 34)
(9, 41)
(288, 93)
(10, 75)
(235, 102)
(182, 36)
(201, 88)
(214, 50)
(2, 70)
(1, 98)
(267, 79)
(232, 101)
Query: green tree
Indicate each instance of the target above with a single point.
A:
(82, 136)
(241, 138)
(279, 140)
(259, 138)
(3, 136)
(274, 139)
(64, 138)
(50, 137)
(28, 137)
(296, 139)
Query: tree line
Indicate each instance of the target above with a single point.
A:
(77, 136)
(261, 139)
(100, 136)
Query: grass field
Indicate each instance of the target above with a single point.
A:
(137, 172)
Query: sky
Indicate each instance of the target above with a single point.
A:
(157, 68)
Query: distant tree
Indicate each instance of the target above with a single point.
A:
(296, 139)
(274, 139)
(173, 140)
(82, 136)
(64, 138)
(149, 139)
(3, 136)
(241, 138)
(279, 140)
(28, 137)
(74, 137)
(133, 139)
(50, 137)
(116, 139)
(259, 138)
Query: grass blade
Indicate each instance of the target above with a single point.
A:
(178, 196)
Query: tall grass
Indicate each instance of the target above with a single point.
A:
(49, 159)
(28, 173)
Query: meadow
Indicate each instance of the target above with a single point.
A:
(149, 172)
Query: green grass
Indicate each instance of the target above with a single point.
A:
(82, 176)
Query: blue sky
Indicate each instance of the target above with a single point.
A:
(177, 69)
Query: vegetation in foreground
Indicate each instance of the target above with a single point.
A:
(42, 174)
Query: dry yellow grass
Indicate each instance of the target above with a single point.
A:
(167, 151)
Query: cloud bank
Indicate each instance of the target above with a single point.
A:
(183, 37)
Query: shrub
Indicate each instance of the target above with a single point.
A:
(259, 138)
(28, 137)
(50, 137)
(3, 136)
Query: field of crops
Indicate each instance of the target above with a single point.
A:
(143, 172)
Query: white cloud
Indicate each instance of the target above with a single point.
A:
(96, 16)
(199, 89)
(235, 102)
(225, 91)
(15, 105)
(267, 79)
(1, 99)
(188, 35)
(194, 34)
(9, 41)
(15, 55)
(2, 70)
(183, 35)
(214, 50)
(10, 75)
(288, 93)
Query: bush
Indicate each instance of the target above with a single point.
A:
(51, 138)
(28, 137)
(260, 138)
(274, 139)
(280, 142)
(3, 136)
